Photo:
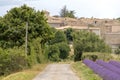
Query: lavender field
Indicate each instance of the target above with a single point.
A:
(107, 70)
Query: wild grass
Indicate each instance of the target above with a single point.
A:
(26, 74)
(1, 77)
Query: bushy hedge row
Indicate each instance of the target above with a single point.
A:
(97, 55)
(12, 60)
(15, 59)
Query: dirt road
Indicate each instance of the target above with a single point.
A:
(57, 72)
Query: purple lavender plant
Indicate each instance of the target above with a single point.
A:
(109, 66)
(115, 63)
(105, 73)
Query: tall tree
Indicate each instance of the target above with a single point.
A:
(64, 12)
(67, 13)
(13, 25)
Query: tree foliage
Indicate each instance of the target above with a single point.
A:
(88, 42)
(13, 25)
(58, 38)
(67, 13)
(60, 42)
(64, 50)
(12, 39)
(68, 34)
(54, 53)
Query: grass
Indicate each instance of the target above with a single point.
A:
(1, 77)
(84, 72)
(26, 74)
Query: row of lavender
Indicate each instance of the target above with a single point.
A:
(108, 71)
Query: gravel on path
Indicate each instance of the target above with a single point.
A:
(57, 72)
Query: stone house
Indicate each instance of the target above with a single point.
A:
(108, 29)
(92, 29)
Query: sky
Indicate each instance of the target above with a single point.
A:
(82, 8)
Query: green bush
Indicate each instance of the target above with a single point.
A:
(64, 50)
(12, 60)
(58, 38)
(91, 57)
(117, 51)
(68, 34)
(78, 50)
(97, 55)
(15, 59)
(54, 53)
(58, 47)
(37, 54)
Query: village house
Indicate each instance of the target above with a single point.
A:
(107, 29)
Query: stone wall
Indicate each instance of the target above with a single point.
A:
(112, 39)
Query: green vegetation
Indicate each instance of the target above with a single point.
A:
(58, 38)
(12, 60)
(44, 44)
(64, 50)
(1, 77)
(13, 57)
(85, 41)
(54, 53)
(97, 55)
(68, 34)
(13, 25)
(117, 51)
(28, 74)
(84, 72)
(58, 48)
(67, 13)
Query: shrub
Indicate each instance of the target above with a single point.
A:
(92, 57)
(117, 51)
(54, 53)
(68, 34)
(12, 60)
(64, 50)
(78, 50)
(97, 55)
(37, 54)
(58, 38)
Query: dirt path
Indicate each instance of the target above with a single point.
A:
(57, 72)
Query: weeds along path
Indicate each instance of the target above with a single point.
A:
(57, 72)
